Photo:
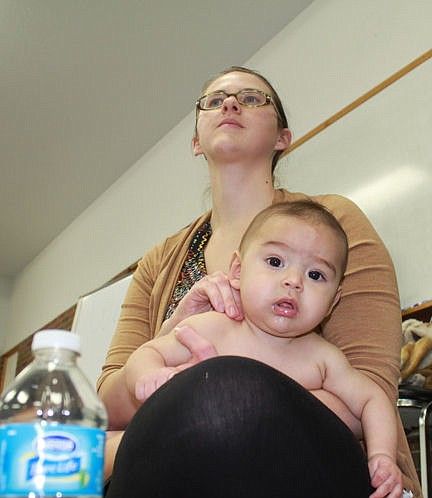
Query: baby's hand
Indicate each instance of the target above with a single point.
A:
(386, 477)
(150, 382)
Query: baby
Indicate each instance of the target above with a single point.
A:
(288, 269)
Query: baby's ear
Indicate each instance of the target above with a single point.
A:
(235, 270)
(335, 300)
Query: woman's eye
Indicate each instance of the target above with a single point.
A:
(250, 99)
(274, 261)
(214, 102)
(316, 275)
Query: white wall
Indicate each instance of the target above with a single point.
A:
(379, 155)
(327, 57)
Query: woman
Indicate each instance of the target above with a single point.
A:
(241, 130)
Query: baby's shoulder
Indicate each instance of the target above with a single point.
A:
(322, 347)
(210, 323)
(208, 317)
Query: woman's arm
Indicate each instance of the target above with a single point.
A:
(133, 330)
(366, 323)
(113, 439)
(137, 323)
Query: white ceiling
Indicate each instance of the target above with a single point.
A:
(88, 86)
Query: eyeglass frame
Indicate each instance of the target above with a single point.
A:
(268, 100)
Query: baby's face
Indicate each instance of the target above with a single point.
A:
(290, 275)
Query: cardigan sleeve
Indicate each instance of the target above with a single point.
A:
(366, 323)
(143, 309)
(133, 328)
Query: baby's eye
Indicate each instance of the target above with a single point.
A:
(274, 261)
(316, 275)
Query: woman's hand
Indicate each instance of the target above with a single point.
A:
(213, 292)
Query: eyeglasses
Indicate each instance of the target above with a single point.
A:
(248, 97)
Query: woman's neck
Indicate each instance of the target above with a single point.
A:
(238, 194)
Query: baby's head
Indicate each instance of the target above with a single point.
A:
(312, 213)
(289, 266)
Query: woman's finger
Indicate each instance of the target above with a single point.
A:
(213, 292)
(200, 348)
(222, 296)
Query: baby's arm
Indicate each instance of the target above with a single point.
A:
(152, 364)
(158, 360)
(370, 404)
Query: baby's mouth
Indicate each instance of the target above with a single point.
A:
(286, 307)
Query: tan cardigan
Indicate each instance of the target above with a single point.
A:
(365, 325)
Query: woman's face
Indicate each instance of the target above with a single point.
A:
(235, 129)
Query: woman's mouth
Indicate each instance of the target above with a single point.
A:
(230, 122)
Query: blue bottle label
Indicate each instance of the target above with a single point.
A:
(50, 459)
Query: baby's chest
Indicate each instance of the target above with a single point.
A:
(305, 372)
(294, 363)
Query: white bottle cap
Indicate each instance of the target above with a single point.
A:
(56, 339)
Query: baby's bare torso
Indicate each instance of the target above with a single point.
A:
(301, 358)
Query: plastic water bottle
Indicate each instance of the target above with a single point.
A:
(52, 423)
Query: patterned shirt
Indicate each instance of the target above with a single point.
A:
(194, 267)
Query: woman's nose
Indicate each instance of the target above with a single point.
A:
(231, 103)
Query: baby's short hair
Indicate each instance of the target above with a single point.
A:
(310, 211)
